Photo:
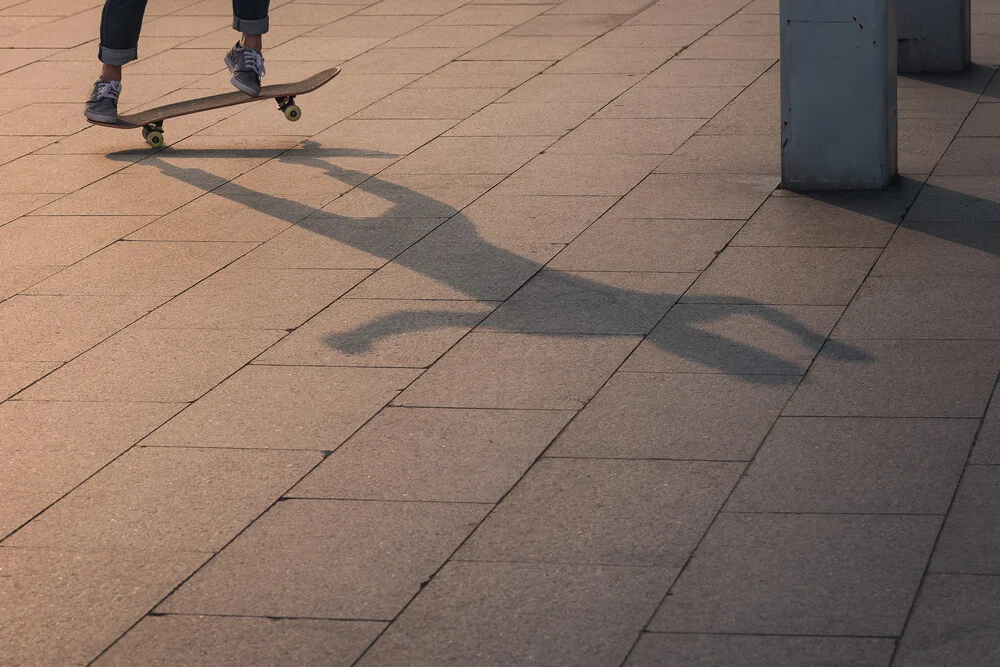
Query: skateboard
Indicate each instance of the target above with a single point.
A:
(151, 120)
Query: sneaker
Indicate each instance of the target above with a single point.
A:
(102, 107)
(247, 67)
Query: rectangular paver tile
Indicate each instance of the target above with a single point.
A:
(676, 416)
(329, 559)
(505, 370)
(412, 196)
(586, 23)
(492, 14)
(644, 36)
(827, 222)
(379, 332)
(169, 640)
(284, 407)
(801, 574)
(65, 607)
(694, 650)
(682, 12)
(696, 196)
(942, 249)
(708, 72)
(16, 375)
(581, 175)
(62, 240)
(589, 303)
(970, 541)
(957, 199)
(471, 155)
(709, 338)
(889, 378)
(824, 464)
(167, 500)
(988, 442)
(522, 613)
(402, 61)
(721, 154)
(431, 103)
(570, 88)
(641, 513)
(482, 73)
(598, 59)
(435, 454)
(153, 365)
(525, 119)
(512, 47)
(643, 101)
(626, 136)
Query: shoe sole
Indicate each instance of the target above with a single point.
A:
(244, 88)
(100, 118)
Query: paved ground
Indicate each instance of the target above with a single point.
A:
(507, 353)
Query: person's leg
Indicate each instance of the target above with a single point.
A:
(244, 60)
(121, 22)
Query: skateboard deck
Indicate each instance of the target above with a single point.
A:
(151, 120)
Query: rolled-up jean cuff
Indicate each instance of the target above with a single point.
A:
(116, 57)
(250, 26)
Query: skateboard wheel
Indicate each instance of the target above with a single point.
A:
(292, 112)
(153, 137)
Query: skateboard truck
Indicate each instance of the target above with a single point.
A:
(289, 108)
(153, 134)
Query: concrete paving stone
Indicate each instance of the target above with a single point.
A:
(694, 650)
(14, 279)
(603, 512)
(379, 138)
(788, 276)
(934, 102)
(16, 375)
(456, 271)
(976, 79)
(54, 174)
(970, 541)
(172, 365)
(822, 222)
(957, 199)
(394, 7)
(182, 61)
(231, 217)
(676, 416)
(49, 448)
(297, 13)
(435, 454)
(402, 61)
(554, 22)
(432, 103)
(49, 119)
(337, 559)
(646, 36)
(970, 156)
(412, 196)
(696, 197)
(58, 328)
(683, 12)
(12, 147)
(984, 121)
(753, 154)
(142, 268)
(65, 607)
(161, 641)
(584, 7)
(942, 307)
(164, 500)
(953, 622)
(511, 47)
(506, 370)
(370, 26)
(987, 448)
(471, 155)
(748, 24)
(182, 26)
(464, 36)
(266, 407)
(238, 298)
(734, 47)
(570, 88)
(621, 244)
(523, 613)
(299, 176)
(681, 102)
(379, 333)
(14, 206)
(562, 302)
(739, 339)
(580, 175)
(482, 74)
(528, 119)
(823, 575)
(596, 59)
(503, 14)
(906, 378)
(54, 75)
(499, 219)
(761, 7)
(19, 507)
(13, 25)
(837, 465)
(326, 242)
(923, 141)
(614, 136)
(63, 240)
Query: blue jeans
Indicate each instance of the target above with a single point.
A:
(121, 22)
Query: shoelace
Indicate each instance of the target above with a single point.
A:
(109, 89)
(253, 62)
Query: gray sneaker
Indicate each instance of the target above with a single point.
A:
(102, 107)
(247, 67)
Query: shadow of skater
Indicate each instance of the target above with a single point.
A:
(548, 302)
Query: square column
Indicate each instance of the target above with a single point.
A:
(934, 35)
(838, 94)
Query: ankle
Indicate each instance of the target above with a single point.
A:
(255, 42)
(111, 73)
